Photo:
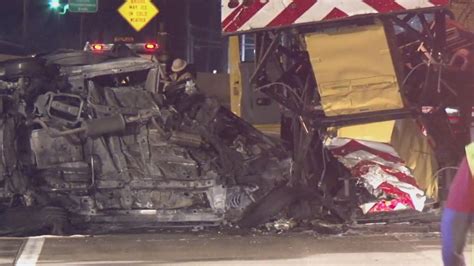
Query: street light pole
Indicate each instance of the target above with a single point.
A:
(81, 31)
(189, 37)
(25, 22)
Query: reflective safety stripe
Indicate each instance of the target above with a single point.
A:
(275, 13)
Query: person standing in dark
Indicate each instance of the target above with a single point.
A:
(180, 70)
(458, 216)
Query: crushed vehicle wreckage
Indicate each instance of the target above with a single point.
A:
(97, 139)
(93, 139)
(88, 139)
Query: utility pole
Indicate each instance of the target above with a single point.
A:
(210, 36)
(189, 37)
(81, 31)
(162, 36)
(25, 22)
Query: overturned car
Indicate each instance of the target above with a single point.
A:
(93, 139)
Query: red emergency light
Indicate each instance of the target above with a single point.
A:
(98, 47)
(151, 46)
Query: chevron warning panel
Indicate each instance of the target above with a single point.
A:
(275, 13)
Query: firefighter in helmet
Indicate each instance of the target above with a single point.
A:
(180, 70)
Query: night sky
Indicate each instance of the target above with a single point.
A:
(48, 31)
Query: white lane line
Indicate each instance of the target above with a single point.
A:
(31, 251)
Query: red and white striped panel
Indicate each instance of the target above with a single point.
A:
(274, 13)
(379, 168)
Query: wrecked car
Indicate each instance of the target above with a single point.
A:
(94, 139)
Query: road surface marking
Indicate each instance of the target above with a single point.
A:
(31, 251)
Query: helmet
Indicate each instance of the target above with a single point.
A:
(178, 65)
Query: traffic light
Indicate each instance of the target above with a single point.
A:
(54, 4)
(61, 6)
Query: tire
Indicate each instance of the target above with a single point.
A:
(268, 207)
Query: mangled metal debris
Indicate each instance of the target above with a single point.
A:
(97, 139)
(332, 88)
(380, 171)
(91, 137)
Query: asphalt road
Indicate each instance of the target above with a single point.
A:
(210, 248)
